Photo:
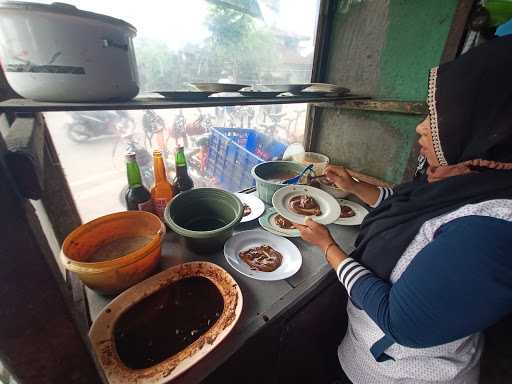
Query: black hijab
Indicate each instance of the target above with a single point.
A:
(470, 103)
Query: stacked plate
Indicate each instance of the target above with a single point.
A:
(281, 88)
(245, 240)
(185, 95)
(330, 212)
(329, 208)
(326, 88)
(333, 211)
(204, 90)
(268, 222)
(218, 87)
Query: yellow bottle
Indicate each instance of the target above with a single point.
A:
(162, 191)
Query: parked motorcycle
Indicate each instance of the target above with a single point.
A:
(87, 125)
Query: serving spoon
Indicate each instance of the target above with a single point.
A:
(295, 180)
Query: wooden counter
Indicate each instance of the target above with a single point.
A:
(264, 301)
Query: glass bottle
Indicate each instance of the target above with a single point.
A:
(137, 196)
(162, 191)
(183, 182)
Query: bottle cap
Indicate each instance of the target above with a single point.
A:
(130, 156)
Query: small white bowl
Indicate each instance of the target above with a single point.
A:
(318, 160)
(335, 192)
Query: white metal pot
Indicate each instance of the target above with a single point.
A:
(59, 53)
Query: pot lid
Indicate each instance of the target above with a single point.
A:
(64, 9)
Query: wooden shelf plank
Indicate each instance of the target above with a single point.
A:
(25, 105)
(390, 106)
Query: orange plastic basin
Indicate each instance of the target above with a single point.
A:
(115, 251)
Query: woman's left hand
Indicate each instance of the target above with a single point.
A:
(314, 233)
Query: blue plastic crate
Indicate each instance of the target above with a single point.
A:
(233, 152)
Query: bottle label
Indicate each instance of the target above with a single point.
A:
(146, 206)
(159, 205)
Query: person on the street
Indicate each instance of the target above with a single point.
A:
(153, 125)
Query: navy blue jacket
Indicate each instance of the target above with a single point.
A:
(459, 284)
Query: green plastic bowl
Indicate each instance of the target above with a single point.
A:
(205, 217)
(265, 171)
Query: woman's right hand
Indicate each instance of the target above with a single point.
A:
(338, 175)
(369, 193)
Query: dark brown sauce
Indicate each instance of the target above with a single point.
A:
(278, 177)
(346, 211)
(263, 258)
(166, 322)
(247, 210)
(305, 205)
(281, 222)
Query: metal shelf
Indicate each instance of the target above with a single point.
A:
(144, 102)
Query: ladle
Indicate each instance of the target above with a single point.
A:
(295, 180)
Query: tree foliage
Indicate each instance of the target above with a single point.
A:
(239, 48)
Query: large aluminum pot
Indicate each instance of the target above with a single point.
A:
(59, 53)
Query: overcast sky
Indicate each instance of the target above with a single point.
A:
(182, 21)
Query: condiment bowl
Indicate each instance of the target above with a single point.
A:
(205, 217)
(318, 160)
(270, 175)
(131, 261)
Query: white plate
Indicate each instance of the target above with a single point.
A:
(281, 87)
(359, 210)
(328, 205)
(268, 224)
(325, 87)
(218, 87)
(184, 95)
(264, 94)
(242, 241)
(257, 206)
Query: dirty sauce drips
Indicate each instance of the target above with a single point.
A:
(167, 322)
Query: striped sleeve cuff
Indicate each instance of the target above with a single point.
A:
(349, 272)
(385, 192)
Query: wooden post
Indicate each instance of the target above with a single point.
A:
(25, 157)
(322, 39)
(57, 199)
(6, 92)
(455, 38)
(63, 215)
(41, 342)
(451, 50)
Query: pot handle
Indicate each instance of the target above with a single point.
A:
(107, 43)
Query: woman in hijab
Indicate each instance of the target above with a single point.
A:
(432, 266)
